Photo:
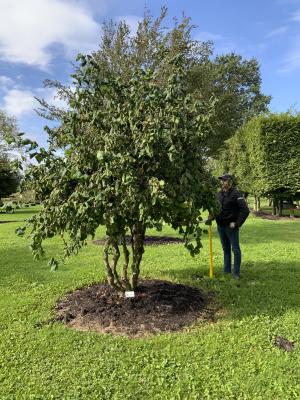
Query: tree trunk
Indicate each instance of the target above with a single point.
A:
(274, 209)
(138, 236)
(112, 254)
(111, 266)
(270, 202)
(125, 265)
(280, 208)
(255, 203)
(258, 203)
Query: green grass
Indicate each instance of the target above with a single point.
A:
(233, 358)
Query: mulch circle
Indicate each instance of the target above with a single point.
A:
(158, 306)
(149, 240)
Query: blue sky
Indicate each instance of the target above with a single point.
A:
(40, 38)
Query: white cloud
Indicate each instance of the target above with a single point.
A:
(28, 29)
(19, 102)
(5, 81)
(292, 60)
(278, 31)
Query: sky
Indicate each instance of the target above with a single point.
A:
(39, 40)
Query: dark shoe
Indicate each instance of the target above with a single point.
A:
(236, 276)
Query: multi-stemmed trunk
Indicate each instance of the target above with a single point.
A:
(128, 280)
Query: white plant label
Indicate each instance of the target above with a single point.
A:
(129, 294)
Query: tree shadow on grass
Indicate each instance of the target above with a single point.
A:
(269, 288)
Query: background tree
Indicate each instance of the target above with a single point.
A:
(9, 178)
(9, 134)
(134, 152)
(236, 84)
(235, 158)
(9, 139)
(264, 155)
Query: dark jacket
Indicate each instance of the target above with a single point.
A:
(233, 208)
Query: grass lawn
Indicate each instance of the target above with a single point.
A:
(233, 358)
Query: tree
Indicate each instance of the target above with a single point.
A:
(264, 155)
(13, 154)
(8, 133)
(234, 157)
(9, 178)
(235, 83)
(134, 154)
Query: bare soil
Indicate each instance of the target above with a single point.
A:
(158, 306)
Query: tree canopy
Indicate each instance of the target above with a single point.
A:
(9, 177)
(236, 84)
(134, 152)
(264, 155)
(9, 139)
(8, 133)
(232, 81)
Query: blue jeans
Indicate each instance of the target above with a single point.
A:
(230, 239)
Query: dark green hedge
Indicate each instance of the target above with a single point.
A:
(265, 156)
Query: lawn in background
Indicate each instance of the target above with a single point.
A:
(264, 206)
(233, 358)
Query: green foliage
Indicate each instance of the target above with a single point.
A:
(8, 208)
(265, 156)
(134, 154)
(13, 149)
(9, 178)
(8, 133)
(11, 139)
(236, 84)
(279, 136)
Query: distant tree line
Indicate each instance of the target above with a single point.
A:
(264, 156)
(9, 175)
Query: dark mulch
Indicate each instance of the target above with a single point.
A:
(6, 222)
(149, 240)
(266, 215)
(158, 306)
